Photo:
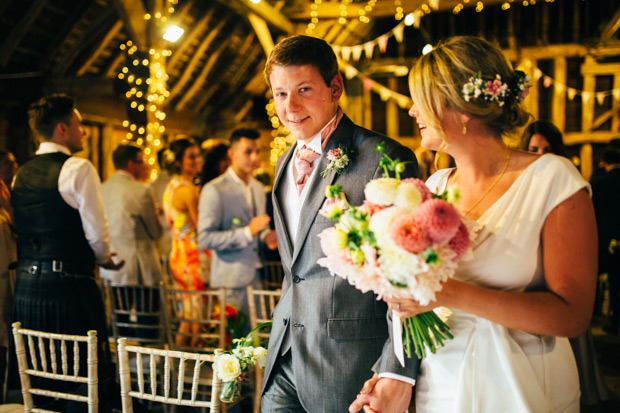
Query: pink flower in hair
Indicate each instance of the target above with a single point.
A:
(460, 242)
(407, 232)
(439, 219)
(496, 88)
(523, 94)
(426, 193)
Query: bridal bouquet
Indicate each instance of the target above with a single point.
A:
(402, 242)
(232, 365)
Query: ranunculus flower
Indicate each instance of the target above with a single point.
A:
(424, 191)
(333, 208)
(381, 191)
(460, 242)
(407, 232)
(227, 367)
(439, 219)
(408, 196)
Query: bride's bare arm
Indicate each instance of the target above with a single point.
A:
(569, 245)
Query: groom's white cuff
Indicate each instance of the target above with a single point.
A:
(248, 234)
(397, 377)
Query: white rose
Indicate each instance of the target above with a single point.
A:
(407, 196)
(381, 191)
(260, 355)
(227, 367)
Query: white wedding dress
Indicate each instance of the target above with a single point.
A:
(488, 367)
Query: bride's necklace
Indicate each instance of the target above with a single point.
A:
(492, 185)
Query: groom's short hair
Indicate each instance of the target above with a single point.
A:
(304, 50)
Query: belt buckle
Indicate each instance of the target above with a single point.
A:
(56, 266)
(33, 269)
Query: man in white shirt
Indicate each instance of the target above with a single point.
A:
(232, 220)
(62, 234)
(134, 223)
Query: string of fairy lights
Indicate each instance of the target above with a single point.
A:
(146, 79)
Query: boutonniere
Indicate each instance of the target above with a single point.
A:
(236, 221)
(339, 160)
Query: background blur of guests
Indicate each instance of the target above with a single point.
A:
(164, 244)
(216, 160)
(542, 137)
(606, 199)
(8, 255)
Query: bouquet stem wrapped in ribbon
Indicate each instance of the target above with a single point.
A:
(232, 365)
(402, 242)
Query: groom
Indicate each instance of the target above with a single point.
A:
(327, 337)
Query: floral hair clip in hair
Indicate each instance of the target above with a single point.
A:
(495, 90)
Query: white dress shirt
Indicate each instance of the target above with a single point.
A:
(80, 188)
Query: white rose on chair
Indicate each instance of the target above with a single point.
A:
(228, 367)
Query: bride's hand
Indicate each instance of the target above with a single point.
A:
(405, 308)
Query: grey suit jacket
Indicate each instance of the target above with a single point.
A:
(134, 230)
(337, 334)
(223, 215)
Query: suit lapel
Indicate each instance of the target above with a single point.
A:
(316, 192)
(286, 250)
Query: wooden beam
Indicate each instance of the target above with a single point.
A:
(612, 27)
(94, 30)
(202, 77)
(132, 14)
(262, 32)
(197, 31)
(111, 34)
(605, 116)
(270, 14)
(111, 71)
(19, 31)
(198, 54)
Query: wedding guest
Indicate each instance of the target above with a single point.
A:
(532, 278)
(8, 255)
(181, 208)
(232, 221)
(542, 137)
(327, 336)
(216, 162)
(8, 167)
(63, 235)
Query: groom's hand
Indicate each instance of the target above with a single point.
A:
(383, 395)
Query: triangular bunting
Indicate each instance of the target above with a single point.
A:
(398, 32)
(571, 93)
(367, 83)
(350, 72)
(586, 96)
(600, 97)
(383, 43)
(369, 48)
(547, 82)
(356, 52)
(346, 52)
(616, 93)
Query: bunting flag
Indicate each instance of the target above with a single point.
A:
(600, 98)
(382, 41)
(571, 93)
(398, 32)
(369, 49)
(356, 52)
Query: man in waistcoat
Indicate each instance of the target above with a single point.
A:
(62, 234)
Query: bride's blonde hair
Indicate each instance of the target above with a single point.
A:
(438, 77)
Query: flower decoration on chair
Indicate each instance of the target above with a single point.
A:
(494, 90)
(403, 242)
(232, 365)
(339, 160)
(235, 321)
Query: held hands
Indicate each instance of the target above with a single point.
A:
(383, 395)
(110, 265)
(271, 240)
(258, 223)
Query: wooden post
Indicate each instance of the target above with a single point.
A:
(585, 153)
(391, 111)
(587, 117)
(558, 106)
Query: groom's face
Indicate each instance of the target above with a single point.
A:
(303, 101)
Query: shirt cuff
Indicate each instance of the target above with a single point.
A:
(248, 234)
(397, 377)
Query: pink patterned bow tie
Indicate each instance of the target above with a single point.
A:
(304, 162)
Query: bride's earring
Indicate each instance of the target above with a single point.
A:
(464, 128)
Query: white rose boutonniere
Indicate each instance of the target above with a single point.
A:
(339, 160)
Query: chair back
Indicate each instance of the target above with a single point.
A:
(136, 313)
(34, 362)
(274, 275)
(174, 388)
(198, 316)
(262, 303)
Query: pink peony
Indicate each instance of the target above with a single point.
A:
(439, 219)
(407, 232)
(426, 193)
(460, 242)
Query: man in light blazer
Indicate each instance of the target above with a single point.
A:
(327, 337)
(134, 223)
(232, 220)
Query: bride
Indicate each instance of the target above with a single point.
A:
(532, 280)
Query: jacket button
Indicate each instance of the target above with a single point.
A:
(296, 279)
(284, 321)
(298, 325)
